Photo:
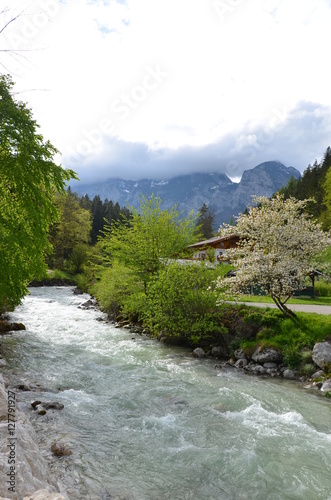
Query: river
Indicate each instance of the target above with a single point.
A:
(150, 422)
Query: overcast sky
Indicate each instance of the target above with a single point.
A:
(158, 88)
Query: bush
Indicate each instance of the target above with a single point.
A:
(181, 304)
(116, 289)
(322, 288)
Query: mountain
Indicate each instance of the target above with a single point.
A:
(189, 192)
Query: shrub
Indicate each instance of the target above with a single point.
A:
(323, 288)
(116, 288)
(181, 303)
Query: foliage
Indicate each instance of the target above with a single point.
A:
(103, 213)
(78, 258)
(181, 303)
(150, 235)
(294, 340)
(115, 289)
(278, 242)
(326, 215)
(28, 179)
(313, 184)
(205, 221)
(71, 230)
(323, 288)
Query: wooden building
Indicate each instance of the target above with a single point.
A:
(219, 244)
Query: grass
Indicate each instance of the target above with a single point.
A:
(294, 340)
(322, 301)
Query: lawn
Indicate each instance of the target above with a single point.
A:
(322, 301)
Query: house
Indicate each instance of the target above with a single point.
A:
(218, 244)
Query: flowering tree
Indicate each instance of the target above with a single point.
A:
(276, 251)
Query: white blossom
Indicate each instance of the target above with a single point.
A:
(277, 247)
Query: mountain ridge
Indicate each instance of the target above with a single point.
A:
(190, 191)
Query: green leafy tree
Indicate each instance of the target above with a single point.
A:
(326, 215)
(28, 179)
(181, 304)
(72, 229)
(119, 291)
(278, 245)
(311, 187)
(147, 237)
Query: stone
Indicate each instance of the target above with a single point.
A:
(240, 363)
(2, 363)
(272, 372)
(53, 406)
(239, 354)
(326, 387)
(269, 365)
(35, 404)
(89, 303)
(217, 352)
(6, 326)
(266, 355)
(317, 374)
(322, 355)
(60, 450)
(289, 374)
(199, 353)
(259, 370)
(249, 367)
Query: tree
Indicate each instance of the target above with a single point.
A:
(310, 185)
(326, 214)
(181, 304)
(147, 236)
(72, 229)
(28, 179)
(277, 247)
(205, 222)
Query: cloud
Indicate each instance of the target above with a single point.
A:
(294, 138)
(152, 88)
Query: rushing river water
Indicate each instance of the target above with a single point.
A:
(145, 421)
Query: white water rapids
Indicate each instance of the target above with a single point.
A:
(150, 422)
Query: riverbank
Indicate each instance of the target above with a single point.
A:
(24, 471)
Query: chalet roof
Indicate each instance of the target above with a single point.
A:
(215, 239)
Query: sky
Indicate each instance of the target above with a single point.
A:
(159, 88)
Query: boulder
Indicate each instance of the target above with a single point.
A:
(199, 353)
(272, 372)
(88, 304)
(239, 354)
(240, 363)
(6, 326)
(317, 374)
(322, 355)
(267, 355)
(259, 370)
(326, 387)
(60, 450)
(53, 406)
(47, 406)
(289, 374)
(269, 365)
(217, 352)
